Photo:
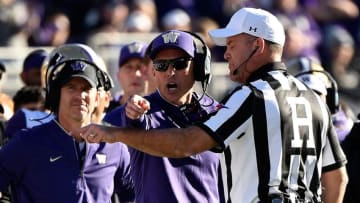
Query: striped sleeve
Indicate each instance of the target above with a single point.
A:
(232, 120)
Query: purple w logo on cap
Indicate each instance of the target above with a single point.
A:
(78, 66)
(170, 37)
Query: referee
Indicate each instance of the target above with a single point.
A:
(276, 135)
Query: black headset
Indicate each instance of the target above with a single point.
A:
(332, 96)
(53, 83)
(202, 59)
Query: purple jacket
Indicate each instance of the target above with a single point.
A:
(42, 165)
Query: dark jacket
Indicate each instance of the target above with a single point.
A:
(351, 148)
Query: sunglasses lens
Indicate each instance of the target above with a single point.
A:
(161, 66)
(180, 63)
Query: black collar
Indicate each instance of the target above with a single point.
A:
(263, 70)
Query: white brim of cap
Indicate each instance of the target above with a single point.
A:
(219, 35)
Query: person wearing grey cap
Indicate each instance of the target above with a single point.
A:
(46, 163)
(276, 135)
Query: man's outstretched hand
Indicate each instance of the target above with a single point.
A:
(136, 107)
(95, 133)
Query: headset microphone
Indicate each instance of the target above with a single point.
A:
(248, 58)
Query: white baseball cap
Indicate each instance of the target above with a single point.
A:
(253, 21)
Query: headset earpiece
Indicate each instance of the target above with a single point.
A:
(52, 90)
(202, 60)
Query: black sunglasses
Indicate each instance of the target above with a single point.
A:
(177, 63)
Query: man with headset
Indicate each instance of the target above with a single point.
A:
(46, 163)
(177, 65)
(276, 135)
(313, 75)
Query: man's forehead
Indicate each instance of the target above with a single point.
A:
(133, 62)
(241, 36)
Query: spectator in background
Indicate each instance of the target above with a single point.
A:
(138, 21)
(31, 70)
(13, 18)
(29, 97)
(339, 59)
(112, 16)
(147, 7)
(4, 106)
(163, 7)
(176, 19)
(325, 11)
(303, 33)
(131, 74)
(29, 110)
(335, 12)
(6, 102)
(203, 25)
(29, 101)
(339, 49)
(54, 32)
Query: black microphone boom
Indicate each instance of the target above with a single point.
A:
(247, 59)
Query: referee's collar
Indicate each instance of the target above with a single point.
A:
(263, 70)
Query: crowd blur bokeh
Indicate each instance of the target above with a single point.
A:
(327, 31)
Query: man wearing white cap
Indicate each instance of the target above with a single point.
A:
(276, 134)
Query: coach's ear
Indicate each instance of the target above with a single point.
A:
(259, 45)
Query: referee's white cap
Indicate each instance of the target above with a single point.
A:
(253, 21)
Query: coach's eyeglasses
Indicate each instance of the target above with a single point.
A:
(178, 63)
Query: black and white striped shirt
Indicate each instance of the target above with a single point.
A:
(276, 136)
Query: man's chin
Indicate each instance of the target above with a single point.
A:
(235, 78)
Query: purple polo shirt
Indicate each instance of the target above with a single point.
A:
(160, 179)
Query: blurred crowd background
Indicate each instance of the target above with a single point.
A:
(328, 31)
